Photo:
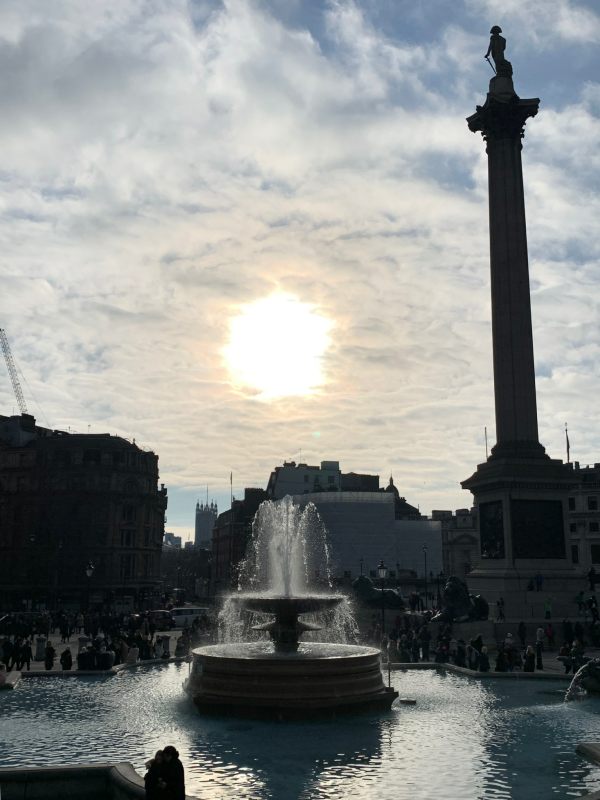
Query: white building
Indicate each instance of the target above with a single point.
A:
(363, 530)
(294, 479)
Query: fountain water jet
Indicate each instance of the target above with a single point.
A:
(285, 576)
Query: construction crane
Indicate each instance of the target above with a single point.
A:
(12, 371)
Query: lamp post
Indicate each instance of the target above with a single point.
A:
(361, 565)
(382, 575)
(425, 557)
(89, 571)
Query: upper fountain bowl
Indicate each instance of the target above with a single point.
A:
(287, 606)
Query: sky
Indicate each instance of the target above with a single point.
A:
(164, 164)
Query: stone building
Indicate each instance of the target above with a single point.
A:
(206, 516)
(292, 479)
(81, 519)
(363, 529)
(584, 518)
(460, 541)
(231, 533)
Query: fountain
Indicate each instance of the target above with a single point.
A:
(282, 676)
(585, 680)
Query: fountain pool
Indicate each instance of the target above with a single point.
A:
(464, 738)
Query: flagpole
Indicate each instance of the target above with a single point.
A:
(568, 444)
(486, 443)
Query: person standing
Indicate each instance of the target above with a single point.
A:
(49, 656)
(500, 610)
(539, 646)
(66, 659)
(173, 774)
(529, 665)
(154, 778)
(25, 655)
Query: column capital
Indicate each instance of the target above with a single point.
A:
(501, 118)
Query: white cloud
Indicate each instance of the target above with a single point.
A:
(160, 167)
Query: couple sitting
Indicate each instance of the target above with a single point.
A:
(164, 779)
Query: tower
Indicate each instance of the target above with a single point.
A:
(206, 515)
(520, 492)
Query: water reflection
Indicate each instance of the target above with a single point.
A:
(463, 739)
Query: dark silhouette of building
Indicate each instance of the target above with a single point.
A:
(81, 519)
(206, 516)
(231, 534)
(403, 510)
(357, 482)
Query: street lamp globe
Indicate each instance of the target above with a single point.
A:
(382, 571)
(89, 570)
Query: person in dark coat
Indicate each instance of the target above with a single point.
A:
(66, 659)
(484, 661)
(529, 665)
(154, 778)
(49, 656)
(173, 774)
(25, 655)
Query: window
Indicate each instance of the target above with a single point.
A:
(146, 536)
(347, 573)
(331, 479)
(573, 527)
(305, 478)
(595, 552)
(127, 567)
(592, 503)
(594, 527)
(571, 504)
(126, 538)
(129, 513)
(575, 553)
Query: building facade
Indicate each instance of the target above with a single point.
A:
(584, 518)
(172, 541)
(231, 533)
(293, 479)
(81, 519)
(460, 541)
(206, 516)
(363, 530)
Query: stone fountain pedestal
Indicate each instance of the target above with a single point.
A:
(285, 678)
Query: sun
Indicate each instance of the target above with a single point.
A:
(276, 347)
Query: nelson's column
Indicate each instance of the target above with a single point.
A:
(520, 492)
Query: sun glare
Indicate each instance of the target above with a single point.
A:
(276, 347)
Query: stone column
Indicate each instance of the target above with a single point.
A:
(520, 493)
(501, 121)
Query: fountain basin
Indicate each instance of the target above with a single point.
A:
(318, 679)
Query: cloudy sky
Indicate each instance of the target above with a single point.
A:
(166, 163)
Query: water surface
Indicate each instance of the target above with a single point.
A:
(463, 739)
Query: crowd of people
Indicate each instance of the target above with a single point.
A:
(110, 639)
(413, 639)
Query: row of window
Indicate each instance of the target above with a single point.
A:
(594, 553)
(592, 503)
(593, 527)
(128, 566)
